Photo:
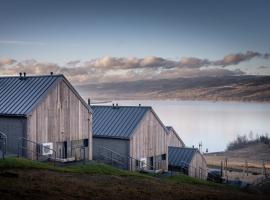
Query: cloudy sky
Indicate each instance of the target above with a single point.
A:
(123, 40)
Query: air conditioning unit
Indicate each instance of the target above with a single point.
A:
(46, 149)
(143, 162)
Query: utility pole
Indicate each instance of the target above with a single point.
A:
(226, 168)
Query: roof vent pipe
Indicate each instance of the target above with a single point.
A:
(89, 101)
(51, 73)
(20, 74)
(24, 74)
(139, 105)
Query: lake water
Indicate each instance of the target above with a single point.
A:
(212, 123)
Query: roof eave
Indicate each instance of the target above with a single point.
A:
(77, 94)
(12, 115)
(110, 137)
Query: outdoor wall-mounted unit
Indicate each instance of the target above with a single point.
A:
(47, 148)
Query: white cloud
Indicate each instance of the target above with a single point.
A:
(117, 69)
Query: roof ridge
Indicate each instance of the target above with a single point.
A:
(122, 106)
(31, 76)
(191, 148)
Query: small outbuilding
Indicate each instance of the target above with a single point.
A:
(45, 116)
(188, 160)
(132, 135)
(173, 138)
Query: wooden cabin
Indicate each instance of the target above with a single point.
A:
(173, 138)
(45, 116)
(188, 160)
(134, 136)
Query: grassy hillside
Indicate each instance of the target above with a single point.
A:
(252, 152)
(24, 179)
(91, 169)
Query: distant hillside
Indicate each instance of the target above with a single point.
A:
(253, 152)
(245, 147)
(228, 88)
(243, 141)
(250, 158)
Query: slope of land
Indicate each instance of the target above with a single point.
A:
(21, 179)
(228, 88)
(252, 156)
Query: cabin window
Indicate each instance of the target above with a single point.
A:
(85, 142)
(163, 156)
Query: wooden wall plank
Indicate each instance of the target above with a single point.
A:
(60, 117)
(173, 140)
(149, 139)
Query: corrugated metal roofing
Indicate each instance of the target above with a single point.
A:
(116, 122)
(179, 156)
(19, 95)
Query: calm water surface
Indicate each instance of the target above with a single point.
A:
(213, 123)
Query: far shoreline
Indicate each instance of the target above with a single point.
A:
(108, 100)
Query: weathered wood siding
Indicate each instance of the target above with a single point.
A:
(173, 140)
(198, 167)
(149, 139)
(60, 117)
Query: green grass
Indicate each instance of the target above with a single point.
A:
(92, 169)
(20, 163)
(181, 178)
(184, 179)
(95, 168)
(102, 169)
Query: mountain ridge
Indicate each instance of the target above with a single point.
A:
(226, 88)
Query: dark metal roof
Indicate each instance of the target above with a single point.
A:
(117, 121)
(19, 95)
(179, 156)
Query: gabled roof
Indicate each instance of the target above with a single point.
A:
(179, 156)
(117, 121)
(171, 130)
(20, 95)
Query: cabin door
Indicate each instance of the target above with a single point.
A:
(62, 149)
(151, 162)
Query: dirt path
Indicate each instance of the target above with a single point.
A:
(36, 184)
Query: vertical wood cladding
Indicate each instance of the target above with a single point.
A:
(149, 139)
(198, 167)
(173, 140)
(61, 116)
